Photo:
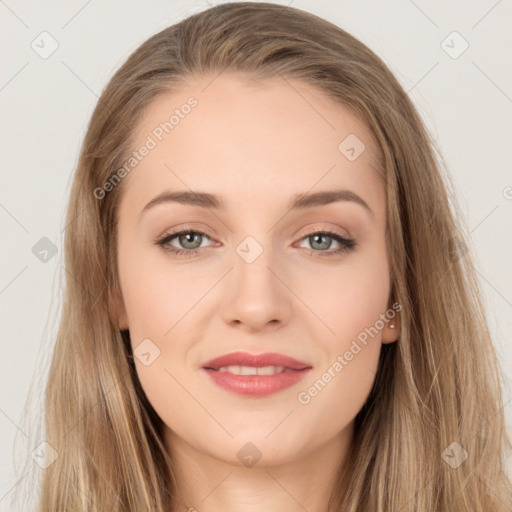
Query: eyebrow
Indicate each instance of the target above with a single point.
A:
(299, 201)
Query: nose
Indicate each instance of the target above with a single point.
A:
(257, 296)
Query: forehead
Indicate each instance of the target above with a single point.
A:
(251, 139)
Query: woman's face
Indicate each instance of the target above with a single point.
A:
(252, 276)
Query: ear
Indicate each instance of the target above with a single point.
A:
(122, 317)
(391, 330)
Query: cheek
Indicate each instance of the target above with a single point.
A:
(342, 381)
(156, 295)
(351, 297)
(157, 300)
(351, 302)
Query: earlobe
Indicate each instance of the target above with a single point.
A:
(391, 330)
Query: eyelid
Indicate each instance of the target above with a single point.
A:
(180, 230)
(336, 231)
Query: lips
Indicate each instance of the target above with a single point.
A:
(278, 373)
(255, 360)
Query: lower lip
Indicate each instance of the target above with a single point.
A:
(256, 385)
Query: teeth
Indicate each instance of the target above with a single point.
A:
(251, 370)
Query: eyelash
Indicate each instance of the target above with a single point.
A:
(347, 244)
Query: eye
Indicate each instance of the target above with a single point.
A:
(191, 242)
(320, 246)
(190, 239)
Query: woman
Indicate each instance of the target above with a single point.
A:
(269, 303)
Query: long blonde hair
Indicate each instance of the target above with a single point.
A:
(438, 384)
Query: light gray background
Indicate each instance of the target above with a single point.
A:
(46, 104)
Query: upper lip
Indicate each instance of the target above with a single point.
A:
(256, 360)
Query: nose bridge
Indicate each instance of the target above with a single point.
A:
(249, 229)
(256, 295)
(253, 261)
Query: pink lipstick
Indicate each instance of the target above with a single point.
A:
(255, 375)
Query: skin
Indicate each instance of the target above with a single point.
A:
(256, 144)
